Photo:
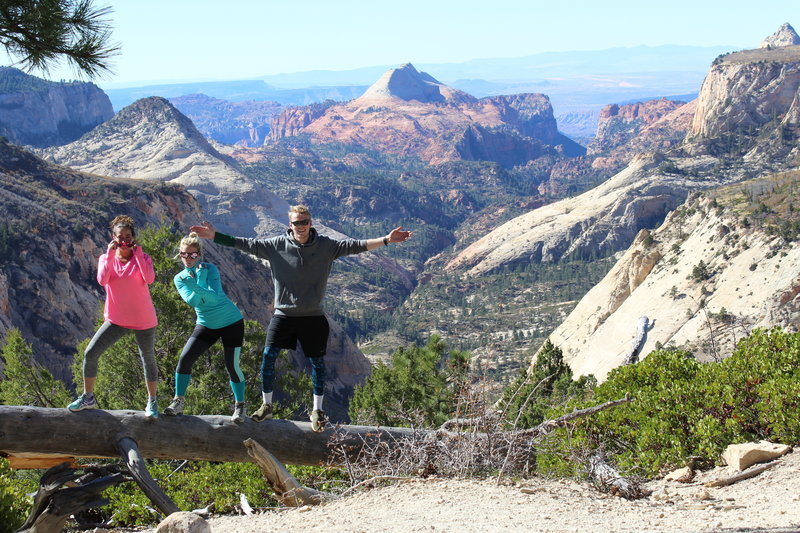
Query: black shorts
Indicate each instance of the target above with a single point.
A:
(312, 332)
(232, 335)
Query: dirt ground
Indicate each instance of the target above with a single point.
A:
(769, 502)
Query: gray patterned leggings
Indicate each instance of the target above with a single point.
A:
(110, 333)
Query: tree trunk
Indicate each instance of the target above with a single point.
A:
(96, 433)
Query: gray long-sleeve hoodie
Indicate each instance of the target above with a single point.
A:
(299, 271)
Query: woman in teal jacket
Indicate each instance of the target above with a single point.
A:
(217, 318)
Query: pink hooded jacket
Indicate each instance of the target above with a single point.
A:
(128, 302)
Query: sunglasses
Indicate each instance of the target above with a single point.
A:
(193, 255)
(304, 222)
(124, 244)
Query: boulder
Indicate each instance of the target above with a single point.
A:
(741, 456)
(183, 522)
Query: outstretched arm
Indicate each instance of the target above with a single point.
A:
(398, 234)
(206, 231)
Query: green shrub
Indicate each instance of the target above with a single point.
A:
(15, 505)
(684, 408)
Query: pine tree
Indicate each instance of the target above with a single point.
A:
(25, 381)
(42, 32)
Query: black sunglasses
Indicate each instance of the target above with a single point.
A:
(193, 255)
(304, 222)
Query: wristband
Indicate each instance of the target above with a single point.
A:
(386, 241)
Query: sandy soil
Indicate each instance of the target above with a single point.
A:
(769, 502)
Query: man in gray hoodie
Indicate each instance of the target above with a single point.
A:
(301, 262)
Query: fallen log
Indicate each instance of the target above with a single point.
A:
(96, 434)
(53, 504)
(287, 489)
(747, 474)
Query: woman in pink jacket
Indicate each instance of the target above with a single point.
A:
(125, 272)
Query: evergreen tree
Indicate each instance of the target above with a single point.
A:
(25, 381)
(42, 32)
(420, 387)
(547, 384)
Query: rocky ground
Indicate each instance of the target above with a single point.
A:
(769, 502)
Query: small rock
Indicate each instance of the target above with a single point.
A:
(183, 522)
(740, 456)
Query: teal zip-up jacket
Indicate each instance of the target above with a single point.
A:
(200, 287)
(299, 271)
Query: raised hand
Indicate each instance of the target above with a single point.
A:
(206, 231)
(399, 235)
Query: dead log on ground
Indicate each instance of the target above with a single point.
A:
(287, 489)
(747, 474)
(607, 479)
(53, 504)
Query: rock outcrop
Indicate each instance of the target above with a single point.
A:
(703, 278)
(42, 113)
(409, 113)
(785, 36)
(238, 123)
(151, 139)
(748, 107)
(745, 91)
(627, 130)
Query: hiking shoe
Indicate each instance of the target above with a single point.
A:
(176, 406)
(318, 420)
(84, 401)
(151, 410)
(262, 413)
(238, 413)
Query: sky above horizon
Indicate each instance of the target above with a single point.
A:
(179, 40)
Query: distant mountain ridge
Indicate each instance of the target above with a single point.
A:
(409, 113)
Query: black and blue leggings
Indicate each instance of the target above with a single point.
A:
(268, 359)
(199, 342)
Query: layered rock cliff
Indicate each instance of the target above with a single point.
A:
(705, 278)
(627, 130)
(747, 90)
(747, 112)
(409, 113)
(42, 113)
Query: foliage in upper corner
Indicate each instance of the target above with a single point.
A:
(41, 33)
(683, 408)
(421, 387)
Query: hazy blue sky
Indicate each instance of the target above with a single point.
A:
(240, 39)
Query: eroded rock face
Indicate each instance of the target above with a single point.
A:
(236, 123)
(409, 113)
(41, 113)
(785, 36)
(746, 90)
(743, 286)
(623, 131)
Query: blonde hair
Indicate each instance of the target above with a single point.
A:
(190, 240)
(300, 209)
(123, 221)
